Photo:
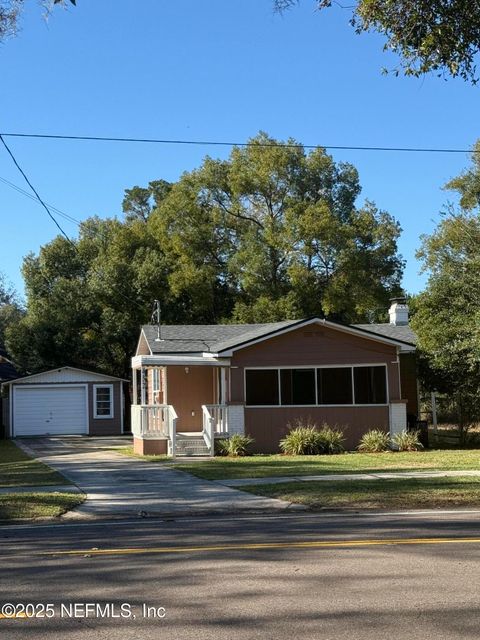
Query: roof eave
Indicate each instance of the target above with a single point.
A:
(41, 373)
(368, 335)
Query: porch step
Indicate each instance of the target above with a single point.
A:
(191, 446)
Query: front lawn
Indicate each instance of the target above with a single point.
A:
(409, 493)
(128, 451)
(17, 469)
(16, 506)
(263, 466)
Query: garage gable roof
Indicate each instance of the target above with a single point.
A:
(64, 374)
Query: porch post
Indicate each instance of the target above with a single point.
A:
(223, 385)
(142, 386)
(135, 387)
(165, 385)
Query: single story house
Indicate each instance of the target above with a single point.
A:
(198, 382)
(65, 401)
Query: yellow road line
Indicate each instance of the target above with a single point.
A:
(314, 544)
(16, 615)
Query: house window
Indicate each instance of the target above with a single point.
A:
(334, 385)
(103, 401)
(297, 386)
(320, 386)
(261, 386)
(157, 381)
(370, 385)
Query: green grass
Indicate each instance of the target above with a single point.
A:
(17, 469)
(262, 466)
(429, 493)
(19, 506)
(128, 451)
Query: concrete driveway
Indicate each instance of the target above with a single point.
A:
(118, 485)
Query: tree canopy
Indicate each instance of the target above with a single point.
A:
(10, 307)
(11, 10)
(429, 35)
(447, 318)
(270, 233)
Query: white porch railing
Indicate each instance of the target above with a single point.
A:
(155, 421)
(215, 423)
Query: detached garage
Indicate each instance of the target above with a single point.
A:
(65, 401)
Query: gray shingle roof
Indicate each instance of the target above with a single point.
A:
(396, 332)
(199, 338)
(214, 338)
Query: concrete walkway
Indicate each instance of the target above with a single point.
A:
(333, 477)
(118, 485)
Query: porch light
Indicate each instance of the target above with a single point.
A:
(187, 369)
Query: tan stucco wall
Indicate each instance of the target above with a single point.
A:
(187, 392)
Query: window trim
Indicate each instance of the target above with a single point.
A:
(95, 390)
(351, 405)
(158, 371)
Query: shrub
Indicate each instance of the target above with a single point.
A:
(305, 439)
(237, 445)
(374, 441)
(331, 439)
(407, 441)
(302, 441)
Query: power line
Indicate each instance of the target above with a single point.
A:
(10, 153)
(52, 207)
(218, 143)
(34, 190)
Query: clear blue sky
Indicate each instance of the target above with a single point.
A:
(213, 70)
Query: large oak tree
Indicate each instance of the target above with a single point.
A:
(428, 35)
(273, 232)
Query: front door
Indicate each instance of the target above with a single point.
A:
(188, 388)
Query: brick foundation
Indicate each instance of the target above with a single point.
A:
(157, 447)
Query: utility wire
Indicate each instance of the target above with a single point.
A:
(217, 143)
(127, 298)
(34, 190)
(52, 207)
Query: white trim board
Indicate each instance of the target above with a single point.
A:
(111, 415)
(63, 375)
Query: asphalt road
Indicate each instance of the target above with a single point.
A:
(280, 576)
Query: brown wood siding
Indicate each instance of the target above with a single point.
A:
(187, 392)
(316, 347)
(313, 346)
(105, 426)
(408, 382)
(268, 426)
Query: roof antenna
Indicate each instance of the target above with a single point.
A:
(157, 319)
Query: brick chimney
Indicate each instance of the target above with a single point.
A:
(398, 311)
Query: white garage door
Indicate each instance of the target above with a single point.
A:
(54, 410)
